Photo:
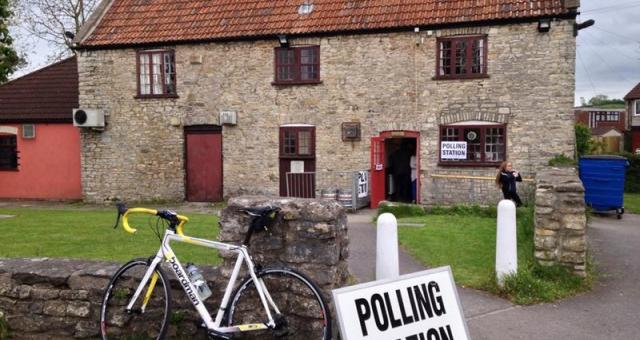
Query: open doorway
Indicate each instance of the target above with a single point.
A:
(400, 169)
(393, 178)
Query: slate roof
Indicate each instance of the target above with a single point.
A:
(634, 93)
(131, 22)
(46, 95)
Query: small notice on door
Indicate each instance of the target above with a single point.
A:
(453, 150)
(297, 167)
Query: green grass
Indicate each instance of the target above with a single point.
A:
(84, 234)
(632, 203)
(467, 241)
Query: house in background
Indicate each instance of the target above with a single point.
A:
(608, 126)
(215, 98)
(39, 146)
(632, 100)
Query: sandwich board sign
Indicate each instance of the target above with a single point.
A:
(418, 306)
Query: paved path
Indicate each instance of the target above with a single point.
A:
(610, 311)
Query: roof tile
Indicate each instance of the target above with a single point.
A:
(48, 94)
(634, 93)
(131, 22)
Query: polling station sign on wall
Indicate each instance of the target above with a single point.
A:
(418, 306)
(453, 150)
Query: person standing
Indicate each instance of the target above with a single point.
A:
(414, 175)
(506, 180)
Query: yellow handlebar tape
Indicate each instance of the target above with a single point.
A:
(125, 217)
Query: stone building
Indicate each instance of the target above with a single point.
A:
(210, 99)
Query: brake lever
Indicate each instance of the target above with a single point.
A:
(122, 208)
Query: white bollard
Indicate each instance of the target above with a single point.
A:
(387, 265)
(506, 241)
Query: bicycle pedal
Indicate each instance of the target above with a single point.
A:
(214, 335)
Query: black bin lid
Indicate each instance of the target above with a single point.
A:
(612, 157)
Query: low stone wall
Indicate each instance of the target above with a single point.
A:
(560, 220)
(60, 298)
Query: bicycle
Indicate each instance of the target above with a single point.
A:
(137, 301)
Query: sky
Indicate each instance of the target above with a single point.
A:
(607, 58)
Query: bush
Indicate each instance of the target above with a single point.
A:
(633, 173)
(584, 143)
(561, 160)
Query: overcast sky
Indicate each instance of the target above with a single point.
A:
(608, 53)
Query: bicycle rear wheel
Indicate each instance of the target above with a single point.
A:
(141, 322)
(304, 314)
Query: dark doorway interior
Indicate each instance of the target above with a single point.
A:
(399, 184)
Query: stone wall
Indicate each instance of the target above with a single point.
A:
(60, 299)
(384, 81)
(560, 220)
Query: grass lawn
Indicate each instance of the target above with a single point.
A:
(89, 235)
(632, 203)
(467, 243)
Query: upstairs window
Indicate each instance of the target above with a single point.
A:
(637, 107)
(297, 65)
(462, 57)
(611, 116)
(476, 145)
(8, 152)
(156, 74)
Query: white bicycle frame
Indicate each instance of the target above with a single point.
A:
(166, 253)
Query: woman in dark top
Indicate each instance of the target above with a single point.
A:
(506, 179)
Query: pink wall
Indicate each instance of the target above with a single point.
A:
(49, 165)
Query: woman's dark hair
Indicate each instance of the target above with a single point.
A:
(501, 169)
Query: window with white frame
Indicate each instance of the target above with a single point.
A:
(637, 107)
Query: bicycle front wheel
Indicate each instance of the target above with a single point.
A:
(304, 314)
(149, 316)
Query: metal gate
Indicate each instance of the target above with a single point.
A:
(301, 184)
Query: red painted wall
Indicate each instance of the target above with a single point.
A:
(49, 165)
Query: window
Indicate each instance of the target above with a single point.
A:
(611, 116)
(156, 74)
(461, 57)
(297, 65)
(297, 141)
(8, 152)
(637, 107)
(485, 144)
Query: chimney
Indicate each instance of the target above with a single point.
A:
(571, 4)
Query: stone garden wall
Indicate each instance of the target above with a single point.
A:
(60, 298)
(560, 220)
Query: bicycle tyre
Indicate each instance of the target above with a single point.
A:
(117, 323)
(298, 298)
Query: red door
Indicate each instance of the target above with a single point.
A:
(298, 161)
(204, 163)
(377, 171)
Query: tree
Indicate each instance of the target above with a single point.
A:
(48, 20)
(9, 59)
(601, 100)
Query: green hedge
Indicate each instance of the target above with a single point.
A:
(633, 173)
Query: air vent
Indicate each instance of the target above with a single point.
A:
(305, 8)
(28, 131)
